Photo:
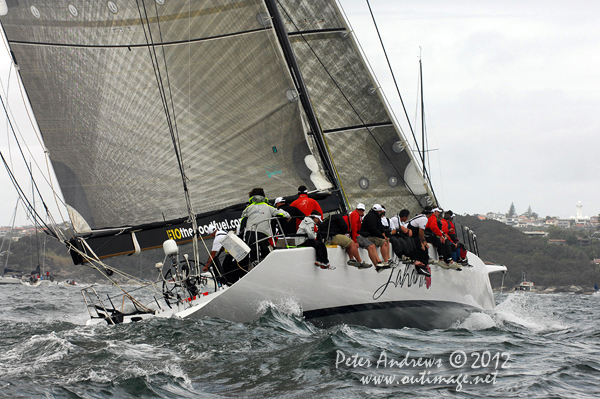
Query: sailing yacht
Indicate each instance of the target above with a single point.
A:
(525, 286)
(159, 115)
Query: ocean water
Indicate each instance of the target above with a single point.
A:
(532, 345)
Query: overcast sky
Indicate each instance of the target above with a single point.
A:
(512, 90)
(512, 93)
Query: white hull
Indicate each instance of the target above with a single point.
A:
(393, 298)
(9, 280)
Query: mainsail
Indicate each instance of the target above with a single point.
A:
(135, 99)
(91, 78)
(372, 158)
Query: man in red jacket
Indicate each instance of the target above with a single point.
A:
(436, 236)
(356, 217)
(450, 232)
(306, 204)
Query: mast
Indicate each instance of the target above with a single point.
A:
(315, 128)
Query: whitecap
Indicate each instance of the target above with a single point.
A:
(527, 311)
(34, 354)
(475, 322)
(288, 306)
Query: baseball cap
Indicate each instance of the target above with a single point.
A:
(378, 208)
(278, 200)
(360, 206)
(211, 229)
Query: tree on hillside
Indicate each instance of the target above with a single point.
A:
(556, 233)
(571, 239)
(511, 211)
(528, 212)
(545, 264)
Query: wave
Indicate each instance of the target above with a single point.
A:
(531, 312)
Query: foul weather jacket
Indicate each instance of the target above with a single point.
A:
(355, 224)
(307, 205)
(255, 217)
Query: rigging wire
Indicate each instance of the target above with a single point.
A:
(171, 120)
(15, 129)
(25, 200)
(426, 173)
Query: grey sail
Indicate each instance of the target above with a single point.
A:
(371, 156)
(117, 86)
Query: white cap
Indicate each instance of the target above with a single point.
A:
(436, 210)
(316, 216)
(278, 200)
(211, 229)
(360, 206)
(378, 208)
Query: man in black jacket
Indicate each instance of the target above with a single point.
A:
(372, 230)
(334, 229)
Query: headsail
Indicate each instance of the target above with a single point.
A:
(95, 88)
(372, 158)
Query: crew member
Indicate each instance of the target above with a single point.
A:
(305, 204)
(417, 226)
(308, 227)
(356, 218)
(255, 222)
(372, 230)
(436, 236)
(334, 229)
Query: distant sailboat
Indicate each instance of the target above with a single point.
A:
(15, 275)
(525, 286)
(160, 115)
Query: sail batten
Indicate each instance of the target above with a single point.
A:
(173, 43)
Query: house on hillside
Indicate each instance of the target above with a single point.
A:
(564, 223)
(583, 241)
(557, 242)
(536, 233)
(500, 217)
